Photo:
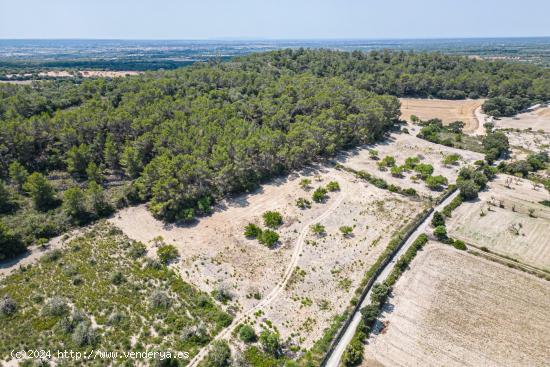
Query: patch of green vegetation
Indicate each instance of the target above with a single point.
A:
(125, 295)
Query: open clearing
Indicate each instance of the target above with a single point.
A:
(401, 146)
(446, 110)
(509, 230)
(455, 309)
(214, 251)
(535, 120)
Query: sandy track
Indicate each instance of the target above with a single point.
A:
(536, 120)
(224, 334)
(455, 309)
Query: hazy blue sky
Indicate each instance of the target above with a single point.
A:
(184, 19)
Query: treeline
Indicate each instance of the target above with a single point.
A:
(188, 137)
(510, 87)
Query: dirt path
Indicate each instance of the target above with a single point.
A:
(336, 356)
(279, 287)
(481, 119)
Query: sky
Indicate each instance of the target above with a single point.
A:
(273, 19)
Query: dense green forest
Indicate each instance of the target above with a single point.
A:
(183, 139)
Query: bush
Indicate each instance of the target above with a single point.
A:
(440, 232)
(353, 355)
(303, 203)
(55, 306)
(318, 229)
(272, 219)
(137, 250)
(117, 278)
(270, 342)
(167, 253)
(459, 245)
(438, 219)
(252, 231)
(409, 192)
(436, 182)
(159, 299)
(7, 306)
(468, 189)
(219, 355)
(333, 186)
(247, 334)
(41, 191)
(319, 195)
(397, 171)
(451, 159)
(11, 244)
(268, 238)
(388, 161)
(424, 170)
(305, 183)
(346, 230)
(84, 334)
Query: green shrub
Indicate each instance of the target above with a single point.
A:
(252, 231)
(438, 219)
(270, 343)
(159, 299)
(7, 306)
(319, 195)
(318, 229)
(346, 230)
(397, 171)
(247, 334)
(219, 355)
(272, 219)
(436, 182)
(269, 238)
(459, 245)
(305, 183)
(333, 186)
(303, 203)
(440, 232)
(167, 253)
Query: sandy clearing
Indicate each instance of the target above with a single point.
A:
(454, 309)
(524, 142)
(536, 120)
(88, 73)
(214, 251)
(493, 228)
(446, 110)
(401, 146)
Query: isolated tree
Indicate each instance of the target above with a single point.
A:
(438, 219)
(18, 174)
(319, 195)
(247, 334)
(40, 190)
(268, 238)
(318, 229)
(252, 230)
(272, 219)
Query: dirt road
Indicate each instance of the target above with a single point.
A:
(280, 286)
(336, 356)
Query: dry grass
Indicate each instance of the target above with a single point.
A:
(446, 110)
(536, 120)
(518, 230)
(455, 309)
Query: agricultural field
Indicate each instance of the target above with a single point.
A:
(452, 308)
(446, 110)
(508, 219)
(101, 292)
(316, 274)
(534, 120)
(402, 146)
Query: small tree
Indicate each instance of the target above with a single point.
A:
(424, 170)
(270, 342)
(18, 174)
(318, 229)
(397, 171)
(41, 191)
(438, 219)
(440, 232)
(219, 355)
(319, 195)
(74, 202)
(272, 219)
(252, 230)
(247, 334)
(93, 172)
(7, 202)
(268, 238)
(468, 189)
(459, 245)
(346, 231)
(167, 253)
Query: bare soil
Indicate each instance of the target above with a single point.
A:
(455, 309)
(535, 120)
(324, 271)
(518, 229)
(446, 110)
